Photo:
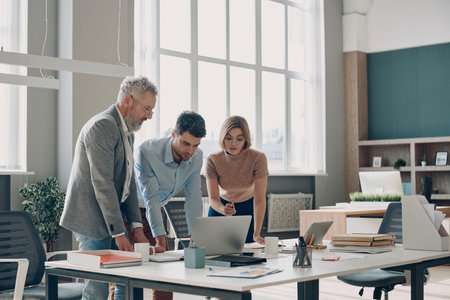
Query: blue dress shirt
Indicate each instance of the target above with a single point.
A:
(159, 178)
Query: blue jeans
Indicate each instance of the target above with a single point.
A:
(94, 290)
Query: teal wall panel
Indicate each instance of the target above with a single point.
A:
(409, 92)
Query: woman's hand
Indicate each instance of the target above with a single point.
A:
(258, 239)
(228, 209)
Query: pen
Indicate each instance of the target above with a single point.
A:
(182, 244)
(302, 242)
(307, 251)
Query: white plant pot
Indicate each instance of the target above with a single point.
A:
(423, 163)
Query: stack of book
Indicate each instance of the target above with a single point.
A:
(363, 240)
(104, 258)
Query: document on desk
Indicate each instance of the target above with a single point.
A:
(243, 272)
(168, 256)
(357, 249)
(342, 256)
(435, 216)
(252, 246)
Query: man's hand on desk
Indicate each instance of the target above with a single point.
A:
(123, 244)
(139, 236)
(161, 245)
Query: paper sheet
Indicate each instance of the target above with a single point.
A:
(435, 216)
(243, 272)
(342, 256)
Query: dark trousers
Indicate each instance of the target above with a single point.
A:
(157, 295)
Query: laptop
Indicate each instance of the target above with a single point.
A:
(220, 235)
(319, 229)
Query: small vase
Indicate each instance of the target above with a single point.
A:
(423, 163)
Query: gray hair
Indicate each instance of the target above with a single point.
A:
(135, 86)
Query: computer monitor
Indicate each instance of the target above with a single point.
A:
(381, 182)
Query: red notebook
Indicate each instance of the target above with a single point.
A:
(112, 259)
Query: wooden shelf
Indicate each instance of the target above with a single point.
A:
(411, 150)
(440, 196)
(402, 169)
(432, 168)
(384, 142)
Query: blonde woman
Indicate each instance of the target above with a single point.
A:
(236, 177)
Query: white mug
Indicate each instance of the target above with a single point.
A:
(271, 243)
(144, 249)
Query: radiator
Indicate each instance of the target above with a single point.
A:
(283, 211)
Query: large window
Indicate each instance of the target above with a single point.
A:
(261, 59)
(12, 97)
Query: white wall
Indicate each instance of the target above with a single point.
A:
(399, 24)
(92, 36)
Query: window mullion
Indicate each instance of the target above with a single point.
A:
(155, 45)
(287, 111)
(194, 52)
(258, 74)
(227, 65)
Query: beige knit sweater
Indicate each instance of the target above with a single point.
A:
(236, 173)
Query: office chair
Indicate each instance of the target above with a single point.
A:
(427, 184)
(383, 279)
(20, 243)
(177, 217)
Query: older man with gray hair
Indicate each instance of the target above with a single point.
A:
(102, 188)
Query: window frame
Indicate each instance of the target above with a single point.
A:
(14, 120)
(148, 49)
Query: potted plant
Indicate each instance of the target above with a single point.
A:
(360, 197)
(399, 163)
(44, 202)
(423, 161)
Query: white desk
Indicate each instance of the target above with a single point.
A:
(174, 277)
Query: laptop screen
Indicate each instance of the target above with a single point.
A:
(221, 235)
(319, 229)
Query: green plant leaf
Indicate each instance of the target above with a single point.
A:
(44, 201)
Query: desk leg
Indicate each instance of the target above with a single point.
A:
(137, 293)
(51, 287)
(308, 290)
(417, 282)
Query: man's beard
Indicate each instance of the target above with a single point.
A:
(132, 123)
(180, 155)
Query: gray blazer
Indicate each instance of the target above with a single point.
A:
(92, 206)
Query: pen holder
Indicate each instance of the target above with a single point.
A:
(303, 257)
(194, 257)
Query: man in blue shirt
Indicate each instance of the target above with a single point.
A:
(165, 166)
